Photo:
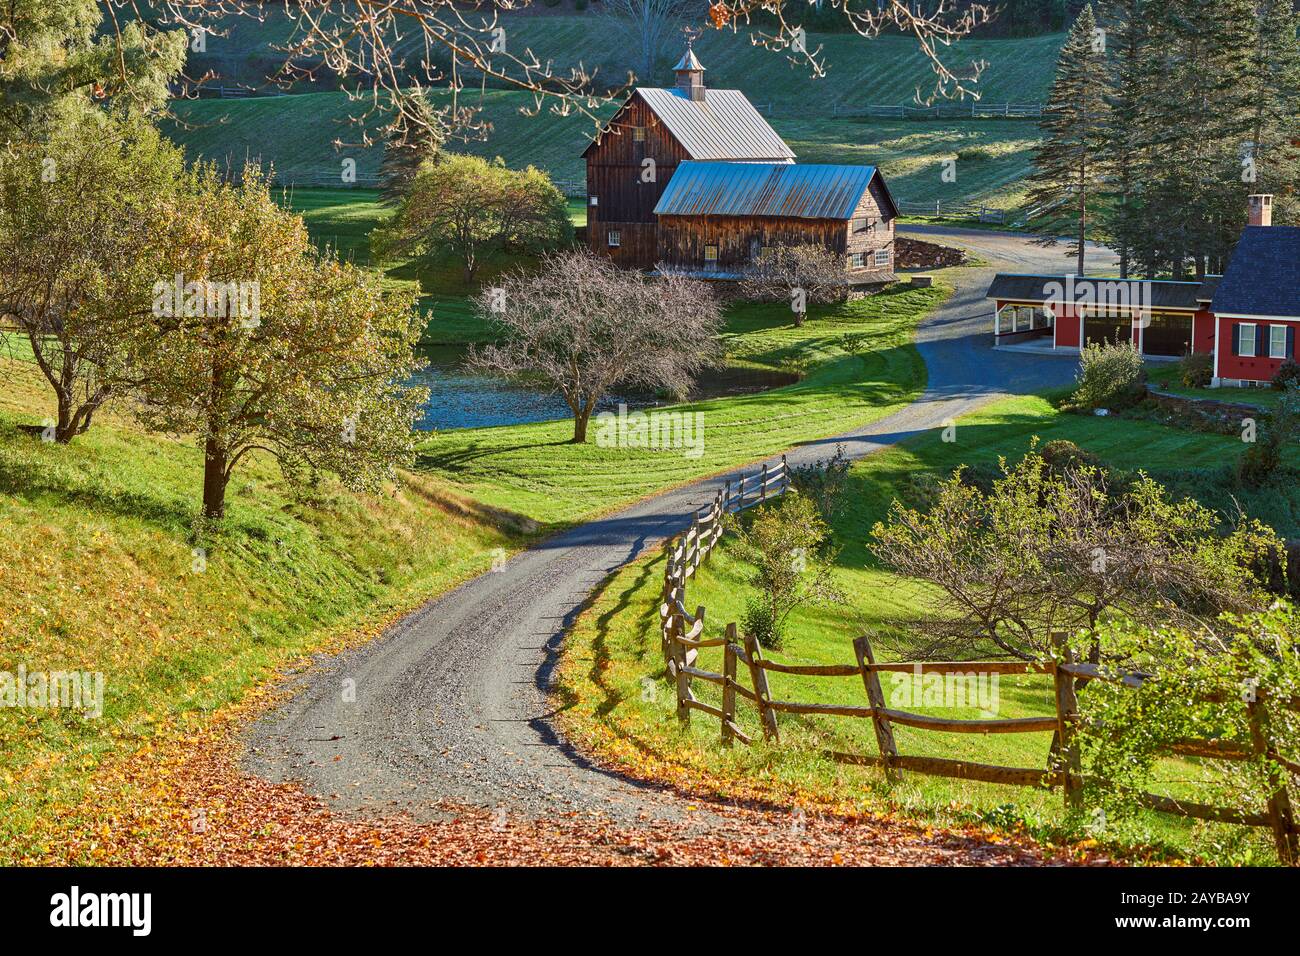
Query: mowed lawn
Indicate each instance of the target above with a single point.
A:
(619, 702)
(859, 365)
(100, 574)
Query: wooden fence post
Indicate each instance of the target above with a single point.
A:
(785, 474)
(762, 484)
(1280, 818)
(758, 677)
(1067, 713)
(876, 696)
(729, 686)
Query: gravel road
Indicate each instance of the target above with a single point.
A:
(451, 703)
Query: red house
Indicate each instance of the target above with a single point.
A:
(1246, 318)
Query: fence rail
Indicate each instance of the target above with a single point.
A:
(975, 109)
(683, 635)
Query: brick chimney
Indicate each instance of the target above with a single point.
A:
(690, 75)
(1261, 210)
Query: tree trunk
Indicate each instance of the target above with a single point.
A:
(214, 479)
(65, 428)
(580, 420)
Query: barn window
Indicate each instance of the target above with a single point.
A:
(614, 238)
(638, 134)
(1277, 341)
(710, 253)
(593, 200)
(882, 257)
(857, 260)
(1246, 339)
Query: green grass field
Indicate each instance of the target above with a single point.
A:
(99, 574)
(534, 470)
(995, 154)
(888, 70)
(615, 646)
(308, 136)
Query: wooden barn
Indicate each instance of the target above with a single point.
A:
(697, 179)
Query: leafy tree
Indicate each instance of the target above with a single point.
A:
(1070, 161)
(469, 208)
(58, 57)
(787, 546)
(1201, 686)
(79, 220)
(1048, 550)
(273, 347)
(802, 275)
(581, 324)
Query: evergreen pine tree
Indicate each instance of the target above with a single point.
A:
(1273, 164)
(1070, 162)
(409, 144)
(1126, 45)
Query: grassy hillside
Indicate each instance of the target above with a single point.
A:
(886, 70)
(100, 574)
(297, 135)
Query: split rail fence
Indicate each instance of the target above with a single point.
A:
(683, 637)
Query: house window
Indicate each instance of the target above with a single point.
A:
(860, 224)
(882, 257)
(1277, 341)
(614, 238)
(857, 260)
(710, 253)
(638, 134)
(593, 200)
(1246, 339)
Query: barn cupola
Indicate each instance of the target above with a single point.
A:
(690, 75)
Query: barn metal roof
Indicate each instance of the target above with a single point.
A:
(724, 125)
(765, 189)
(1263, 275)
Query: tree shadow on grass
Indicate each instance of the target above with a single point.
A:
(455, 461)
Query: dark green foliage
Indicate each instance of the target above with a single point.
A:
(1070, 163)
(1287, 376)
(1263, 456)
(1196, 369)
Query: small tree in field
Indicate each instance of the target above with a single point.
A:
(406, 149)
(581, 324)
(259, 343)
(786, 545)
(1047, 549)
(79, 253)
(800, 275)
(469, 208)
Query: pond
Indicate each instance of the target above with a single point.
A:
(459, 399)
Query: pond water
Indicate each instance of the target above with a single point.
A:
(458, 399)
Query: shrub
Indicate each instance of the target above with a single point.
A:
(1111, 376)
(788, 547)
(1061, 456)
(1262, 457)
(1288, 375)
(1196, 369)
(823, 481)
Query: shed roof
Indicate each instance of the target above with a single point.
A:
(723, 125)
(1263, 275)
(766, 189)
(1164, 294)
